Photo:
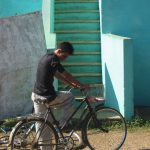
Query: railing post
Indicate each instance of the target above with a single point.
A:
(48, 22)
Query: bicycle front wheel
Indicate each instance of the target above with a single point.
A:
(33, 133)
(106, 130)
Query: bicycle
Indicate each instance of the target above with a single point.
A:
(101, 128)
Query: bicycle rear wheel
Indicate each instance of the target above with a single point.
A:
(106, 131)
(33, 133)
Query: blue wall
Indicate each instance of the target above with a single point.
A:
(131, 18)
(16, 7)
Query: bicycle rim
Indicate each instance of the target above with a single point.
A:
(107, 132)
(33, 134)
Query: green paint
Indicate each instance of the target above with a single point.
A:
(77, 25)
(79, 16)
(52, 3)
(72, 5)
(85, 36)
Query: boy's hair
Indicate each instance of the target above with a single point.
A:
(66, 47)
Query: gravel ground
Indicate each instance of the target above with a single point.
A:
(136, 140)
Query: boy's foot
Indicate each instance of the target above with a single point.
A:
(77, 141)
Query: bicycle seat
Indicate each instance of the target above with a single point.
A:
(100, 100)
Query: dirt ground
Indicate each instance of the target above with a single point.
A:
(136, 140)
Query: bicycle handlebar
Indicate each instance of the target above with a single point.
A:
(90, 98)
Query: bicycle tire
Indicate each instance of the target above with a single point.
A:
(23, 137)
(107, 132)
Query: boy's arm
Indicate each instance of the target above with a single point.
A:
(66, 77)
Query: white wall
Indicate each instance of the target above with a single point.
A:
(117, 68)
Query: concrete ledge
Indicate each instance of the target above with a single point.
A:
(117, 69)
(143, 112)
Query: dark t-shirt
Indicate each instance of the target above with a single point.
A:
(47, 67)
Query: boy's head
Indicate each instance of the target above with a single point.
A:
(66, 47)
(64, 50)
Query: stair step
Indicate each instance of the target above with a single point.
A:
(83, 42)
(76, 25)
(77, 16)
(76, 1)
(76, 11)
(90, 82)
(78, 37)
(86, 74)
(87, 48)
(81, 64)
(77, 31)
(87, 53)
(83, 58)
(91, 85)
(77, 21)
(77, 6)
(97, 85)
(84, 69)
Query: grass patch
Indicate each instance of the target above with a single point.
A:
(8, 124)
(138, 122)
(132, 124)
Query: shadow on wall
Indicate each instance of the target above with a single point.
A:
(110, 96)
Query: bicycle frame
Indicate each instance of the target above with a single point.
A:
(56, 123)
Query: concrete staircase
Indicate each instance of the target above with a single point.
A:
(77, 21)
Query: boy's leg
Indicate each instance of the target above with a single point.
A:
(40, 109)
(64, 101)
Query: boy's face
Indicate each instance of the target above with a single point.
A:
(63, 55)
